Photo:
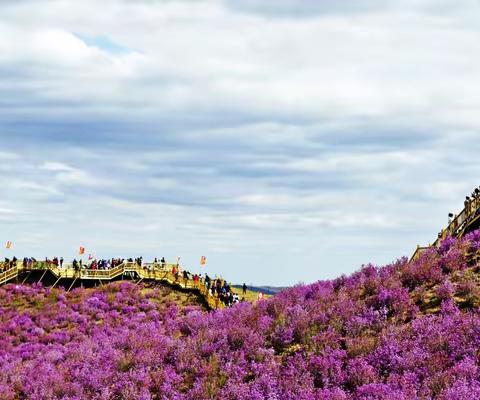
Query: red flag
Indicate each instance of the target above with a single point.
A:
(9, 245)
(82, 250)
(203, 260)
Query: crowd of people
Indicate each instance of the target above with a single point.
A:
(217, 288)
(472, 202)
(221, 289)
(100, 265)
(7, 264)
(456, 222)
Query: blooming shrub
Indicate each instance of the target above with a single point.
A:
(361, 337)
(445, 291)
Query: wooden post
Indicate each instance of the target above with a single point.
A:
(56, 282)
(43, 275)
(72, 284)
(26, 277)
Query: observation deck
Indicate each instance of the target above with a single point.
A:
(127, 270)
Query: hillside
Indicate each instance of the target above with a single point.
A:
(266, 290)
(403, 331)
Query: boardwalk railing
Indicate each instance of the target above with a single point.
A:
(149, 271)
(459, 224)
(8, 275)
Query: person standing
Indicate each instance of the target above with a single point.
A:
(75, 266)
(244, 288)
(207, 281)
(185, 278)
(466, 203)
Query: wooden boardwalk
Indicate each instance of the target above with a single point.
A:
(462, 223)
(127, 270)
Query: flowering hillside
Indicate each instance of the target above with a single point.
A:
(404, 331)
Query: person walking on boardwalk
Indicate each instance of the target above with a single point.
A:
(185, 277)
(75, 266)
(196, 279)
(466, 203)
(244, 289)
(207, 281)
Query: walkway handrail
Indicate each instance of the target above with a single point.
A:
(457, 226)
(8, 275)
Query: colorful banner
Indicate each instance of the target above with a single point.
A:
(82, 250)
(9, 245)
(203, 260)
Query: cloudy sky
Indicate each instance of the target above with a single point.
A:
(285, 140)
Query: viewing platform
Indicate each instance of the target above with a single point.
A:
(126, 270)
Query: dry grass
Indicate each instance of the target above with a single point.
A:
(251, 296)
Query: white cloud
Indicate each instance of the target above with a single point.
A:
(68, 175)
(56, 167)
(330, 66)
(5, 156)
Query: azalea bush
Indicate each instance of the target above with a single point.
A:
(361, 337)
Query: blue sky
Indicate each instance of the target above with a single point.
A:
(287, 141)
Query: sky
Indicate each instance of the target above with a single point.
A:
(286, 141)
